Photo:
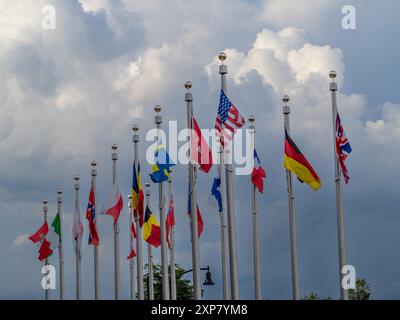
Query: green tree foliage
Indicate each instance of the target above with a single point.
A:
(184, 288)
(361, 292)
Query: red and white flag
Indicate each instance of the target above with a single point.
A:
(115, 203)
(201, 152)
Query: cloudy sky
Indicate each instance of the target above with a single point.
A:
(67, 94)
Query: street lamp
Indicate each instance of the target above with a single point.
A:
(208, 281)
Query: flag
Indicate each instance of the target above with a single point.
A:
(258, 174)
(115, 203)
(228, 120)
(132, 254)
(52, 240)
(40, 237)
(137, 195)
(170, 221)
(161, 166)
(201, 152)
(343, 148)
(91, 217)
(200, 224)
(297, 163)
(215, 198)
(77, 230)
(151, 229)
(54, 234)
(44, 250)
(40, 234)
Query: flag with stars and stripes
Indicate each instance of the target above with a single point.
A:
(228, 120)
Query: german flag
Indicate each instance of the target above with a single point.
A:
(295, 162)
(151, 229)
(137, 194)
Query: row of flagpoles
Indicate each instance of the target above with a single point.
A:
(144, 225)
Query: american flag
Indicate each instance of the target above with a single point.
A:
(343, 148)
(228, 120)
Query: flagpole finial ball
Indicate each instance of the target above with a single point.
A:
(222, 57)
(285, 98)
(77, 178)
(332, 74)
(252, 119)
(114, 147)
(94, 163)
(188, 85)
(157, 108)
(135, 128)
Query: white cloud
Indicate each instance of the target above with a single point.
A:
(21, 240)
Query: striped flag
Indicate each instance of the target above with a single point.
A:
(91, 217)
(228, 120)
(343, 148)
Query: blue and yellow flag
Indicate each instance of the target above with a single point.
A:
(161, 166)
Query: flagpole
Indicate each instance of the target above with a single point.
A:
(117, 269)
(193, 200)
(256, 245)
(339, 194)
(131, 262)
(77, 252)
(233, 260)
(139, 249)
(60, 247)
(150, 287)
(292, 214)
(224, 260)
(172, 248)
(164, 253)
(95, 248)
(46, 262)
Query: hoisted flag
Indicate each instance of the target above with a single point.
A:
(228, 120)
(215, 198)
(258, 175)
(200, 224)
(151, 229)
(137, 195)
(343, 148)
(161, 166)
(91, 217)
(132, 254)
(297, 163)
(201, 152)
(170, 220)
(115, 203)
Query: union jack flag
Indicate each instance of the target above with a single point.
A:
(228, 120)
(343, 148)
(91, 217)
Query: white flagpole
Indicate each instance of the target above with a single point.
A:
(117, 270)
(256, 245)
(60, 248)
(139, 249)
(223, 71)
(339, 196)
(172, 248)
(150, 288)
(46, 262)
(193, 200)
(77, 252)
(131, 262)
(161, 201)
(95, 248)
(224, 259)
(292, 213)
